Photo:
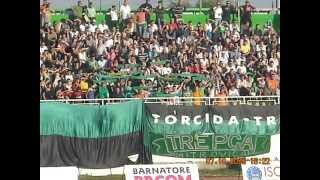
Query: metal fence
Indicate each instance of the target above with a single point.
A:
(236, 100)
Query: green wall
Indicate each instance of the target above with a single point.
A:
(196, 17)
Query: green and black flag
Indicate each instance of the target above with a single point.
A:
(92, 136)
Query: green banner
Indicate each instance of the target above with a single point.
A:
(209, 145)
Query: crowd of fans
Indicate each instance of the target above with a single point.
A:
(136, 56)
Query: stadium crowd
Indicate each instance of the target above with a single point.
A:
(134, 55)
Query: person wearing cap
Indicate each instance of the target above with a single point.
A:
(91, 12)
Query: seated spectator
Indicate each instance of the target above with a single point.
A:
(84, 85)
(273, 84)
(197, 96)
(222, 97)
(233, 91)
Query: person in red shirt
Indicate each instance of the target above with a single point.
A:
(189, 68)
(141, 20)
(173, 25)
(196, 68)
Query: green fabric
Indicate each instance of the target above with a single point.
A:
(161, 94)
(85, 121)
(200, 17)
(220, 139)
(160, 62)
(93, 64)
(128, 91)
(103, 92)
(202, 91)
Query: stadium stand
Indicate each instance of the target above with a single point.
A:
(81, 59)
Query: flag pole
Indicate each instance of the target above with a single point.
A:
(239, 18)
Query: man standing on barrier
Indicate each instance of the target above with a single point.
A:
(125, 13)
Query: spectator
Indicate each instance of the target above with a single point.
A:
(91, 12)
(103, 91)
(45, 14)
(197, 95)
(246, 11)
(159, 11)
(141, 20)
(233, 91)
(222, 97)
(114, 17)
(125, 13)
(176, 12)
(78, 10)
(227, 10)
(84, 86)
(147, 7)
(91, 93)
(273, 84)
(218, 13)
(243, 85)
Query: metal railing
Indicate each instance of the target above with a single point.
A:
(234, 100)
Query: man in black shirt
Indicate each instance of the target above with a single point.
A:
(246, 13)
(147, 7)
(159, 14)
(177, 11)
(227, 10)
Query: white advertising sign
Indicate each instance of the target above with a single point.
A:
(162, 172)
(59, 173)
(265, 171)
(261, 172)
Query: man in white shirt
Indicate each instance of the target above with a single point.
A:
(271, 67)
(242, 68)
(217, 13)
(154, 27)
(114, 16)
(261, 49)
(125, 12)
(166, 70)
(91, 12)
(43, 47)
(92, 26)
(242, 82)
(82, 27)
(102, 62)
(102, 27)
(109, 42)
(208, 29)
(233, 91)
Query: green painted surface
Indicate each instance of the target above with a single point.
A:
(260, 19)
